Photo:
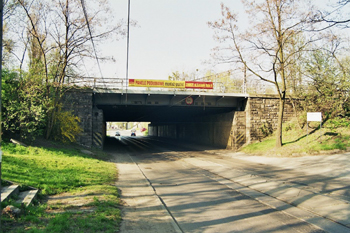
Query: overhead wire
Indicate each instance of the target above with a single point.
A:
(92, 41)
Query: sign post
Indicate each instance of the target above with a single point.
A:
(313, 116)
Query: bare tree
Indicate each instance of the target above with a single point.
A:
(335, 16)
(61, 39)
(8, 42)
(264, 48)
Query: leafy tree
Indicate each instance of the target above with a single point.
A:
(25, 108)
(177, 76)
(264, 49)
(60, 35)
(329, 84)
(225, 82)
(23, 103)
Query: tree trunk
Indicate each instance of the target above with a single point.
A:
(279, 123)
(51, 122)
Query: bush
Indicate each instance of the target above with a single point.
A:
(338, 122)
(67, 127)
(24, 105)
(266, 129)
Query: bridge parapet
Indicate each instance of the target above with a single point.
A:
(118, 84)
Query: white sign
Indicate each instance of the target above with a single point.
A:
(314, 116)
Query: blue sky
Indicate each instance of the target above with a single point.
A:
(172, 35)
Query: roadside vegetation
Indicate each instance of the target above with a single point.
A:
(332, 137)
(298, 48)
(77, 190)
(45, 43)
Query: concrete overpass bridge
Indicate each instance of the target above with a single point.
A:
(165, 106)
(226, 120)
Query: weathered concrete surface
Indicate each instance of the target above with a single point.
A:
(211, 130)
(203, 190)
(285, 194)
(142, 210)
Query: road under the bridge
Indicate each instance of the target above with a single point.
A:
(168, 186)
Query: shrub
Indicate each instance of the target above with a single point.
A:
(24, 105)
(266, 129)
(67, 127)
(338, 122)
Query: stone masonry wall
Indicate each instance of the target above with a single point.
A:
(238, 131)
(81, 102)
(263, 111)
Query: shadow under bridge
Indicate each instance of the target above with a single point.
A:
(178, 115)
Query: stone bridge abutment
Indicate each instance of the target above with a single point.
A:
(92, 122)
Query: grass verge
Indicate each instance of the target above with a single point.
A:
(77, 190)
(300, 142)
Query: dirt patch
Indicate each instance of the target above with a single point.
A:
(68, 202)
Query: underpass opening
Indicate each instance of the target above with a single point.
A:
(207, 118)
(204, 119)
(119, 129)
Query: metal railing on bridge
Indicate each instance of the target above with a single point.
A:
(111, 84)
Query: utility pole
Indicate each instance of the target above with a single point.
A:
(127, 56)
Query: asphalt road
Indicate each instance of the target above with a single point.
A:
(177, 187)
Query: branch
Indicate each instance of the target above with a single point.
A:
(36, 36)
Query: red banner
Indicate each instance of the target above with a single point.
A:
(170, 84)
(199, 85)
(156, 83)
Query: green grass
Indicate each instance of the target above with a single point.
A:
(57, 171)
(262, 146)
(299, 142)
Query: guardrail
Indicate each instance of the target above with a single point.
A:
(120, 84)
(107, 83)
